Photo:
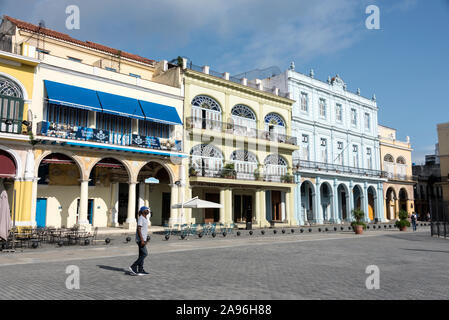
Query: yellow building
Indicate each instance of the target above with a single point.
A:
(396, 163)
(107, 131)
(443, 150)
(16, 158)
(237, 135)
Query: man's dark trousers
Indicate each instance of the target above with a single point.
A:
(142, 255)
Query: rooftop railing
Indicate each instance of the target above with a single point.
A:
(251, 84)
(227, 127)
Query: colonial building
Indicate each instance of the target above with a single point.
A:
(237, 135)
(396, 162)
(16, 157)
(443, 146)
(428, 193)
(107, 131)
(337, 166)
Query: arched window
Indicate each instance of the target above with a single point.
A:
(244, 121)
(274, 123)
(245, 163)
(275, 167)
(388, 158)
(400, 160)
(206, 113)
(401, 167)
(11, 106)
(207, 160)
(389, 165)
(10, 88)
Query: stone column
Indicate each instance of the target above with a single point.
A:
(289, 206)
(131, 222)
(283, 206)
(351, 201)
(365, 202)
(348, 207)
(114, 204)
(396, 208)
(84, 197)
(318, 214)
(260, 208)
(174, 219)
(141, 194)
(147, 195)
(335, 216)
(297, 203)
(34, 201)
(228, 206)
(222, 202)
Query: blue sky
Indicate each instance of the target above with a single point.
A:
(405, 63)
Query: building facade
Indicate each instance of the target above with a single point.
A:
(443, 147)
(237, 135)
(107, 132)
(337, 167)
(16, 157)
(396, 162)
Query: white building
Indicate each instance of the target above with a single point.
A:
(339, 149)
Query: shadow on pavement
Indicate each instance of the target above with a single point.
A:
(113, 269)
(439, 251)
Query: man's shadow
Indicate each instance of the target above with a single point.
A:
(114, 269)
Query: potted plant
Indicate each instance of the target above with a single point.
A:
(228, 171)
(358, 225)
(257, 175)
(192, 172)
(287, 178)
(403, 222)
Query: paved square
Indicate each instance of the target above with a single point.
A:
(299, 266)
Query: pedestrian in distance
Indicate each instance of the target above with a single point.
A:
(413, 218)
(141, 239)
(428, 216)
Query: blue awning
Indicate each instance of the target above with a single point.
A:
(160, 113)
(71, 96)
(120, 105)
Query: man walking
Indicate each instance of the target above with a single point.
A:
(141, 240)
(413, 218)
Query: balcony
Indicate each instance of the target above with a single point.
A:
(396, 176)
(230, 128)
(335, 168)
(272, 173)
(63, 131)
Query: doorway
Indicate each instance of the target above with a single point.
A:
(276, 206)
(166, 199)
(41, 212)
(123, 203)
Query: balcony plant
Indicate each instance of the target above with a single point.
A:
(228, 171)
(287, 178)
(403, 222)
(257, 175)
(358, 225)
(192, 172)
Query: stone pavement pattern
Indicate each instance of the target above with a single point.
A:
(330, 266)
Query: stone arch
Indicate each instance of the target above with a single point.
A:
(343, 202)
(307, 194)
(403, 199)
(125, 164)
(388, 158)
(326, 200)
(68, 154)
(16, 158)
(401, 160)
(248, 111)
(201, 99)
(372, 203)
(358, 200)
(164, 165)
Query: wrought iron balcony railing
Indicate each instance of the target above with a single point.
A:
(230, 173)
(227, 127)
(328, 167)
(397, 176)
(64, 131)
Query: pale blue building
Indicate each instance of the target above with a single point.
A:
(337, 167)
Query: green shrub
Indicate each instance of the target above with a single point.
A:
(403, 220)
(358, 215)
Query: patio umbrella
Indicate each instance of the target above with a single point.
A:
(197, 203)
(5, 215)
